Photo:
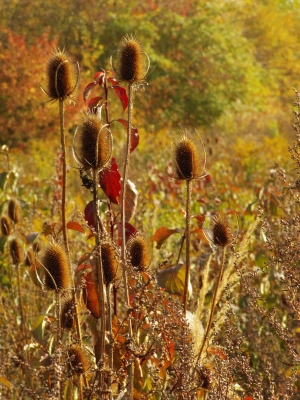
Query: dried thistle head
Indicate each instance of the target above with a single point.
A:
(95, 144)
(78, 360)
(138, 249)
(67, 314)
(5, 225)
(133, 63)
(16, 251)
(14, 211)
(55, 263)
(186, 159)
(221, 233)
(62, 74)
(110, 261)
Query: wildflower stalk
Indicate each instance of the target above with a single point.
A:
(123, 249)
(109, 328)
(20, 301)
(213, 306)
(188, 243)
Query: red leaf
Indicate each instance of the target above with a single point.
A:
(121, 93)
(110, 182)
(99, 78)
(113, 81)
(90, 296)
(94, 102)
(129, 231)
(87, 90)
(162, 234)
(75, 226)
(134, 137)
(89, 214)
(217, 351)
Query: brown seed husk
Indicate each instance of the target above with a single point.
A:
(67, 314)
(78, 360)
(14, 210)
(61, 76)
(131, 62)
(186, 157)
(30, 259)
(109, 262)
(16, 251)
(95, 144)
(6, 227)
(139, 252)
(222, 235)
(55, 263)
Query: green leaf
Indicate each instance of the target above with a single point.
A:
(3, 179)
(172, 280)
(38, 330)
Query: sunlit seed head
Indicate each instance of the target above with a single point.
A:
(67, 314)
(131, 63)
(221, 233)
(78, 360)
(55, 262)
(14, 210)
(16, 251)
(6, 227)
(110, 262)
(139, 252)
(61, 76)
(186, 158)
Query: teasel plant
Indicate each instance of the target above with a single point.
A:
(131, 67)
(92, 150)
(187, 165)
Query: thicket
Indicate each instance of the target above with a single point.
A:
(163, 276)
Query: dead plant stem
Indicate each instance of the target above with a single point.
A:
(188, 244)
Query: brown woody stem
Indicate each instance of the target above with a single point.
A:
(188, 244)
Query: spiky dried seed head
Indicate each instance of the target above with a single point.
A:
(131, 60)
(95, 144)
(5, 224)
(78, 360)
(14, 210)
(110, 262)
(16, 251)
(186, 158)
(139, 252)
(55, 263)
(221, 233)
(61, 76)
(29, 259)
(67, 314)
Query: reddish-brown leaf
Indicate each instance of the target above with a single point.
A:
(99, 78)
(75, 226)
(89, 214)
(90, 296)
(110, 182)
(217, 351)
(129, 231)
(173, 279)
(134, 137)
(94, 102)
(162, 234)
(87, 90)
(121, 93)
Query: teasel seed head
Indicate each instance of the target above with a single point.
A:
(221, 233)
(95, 144)
(14, 211)
(186, 158)
(16, 251)
(62, 76)
(29, 259)
(133, 62)
(5, 224)
(139, 252)
(78, 360)
(55, 262)
(110, 262)
(67, 314)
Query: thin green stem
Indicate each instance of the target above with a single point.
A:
(123, 250)
(188, 244)
(213, 306)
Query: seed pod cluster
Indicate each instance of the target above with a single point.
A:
(186, 159)
(16, 251)
(221, 232)
(131, 60)
(139, 252)
(78, 360)
(61, 76)
(55, 262)
(67, 314)
(95, 144)
(5, 224)
(110, 262)
(14, 210)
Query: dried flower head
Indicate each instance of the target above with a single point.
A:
(16, 251)
(67, 314)
(14, 210)
(78, 360)
(5, 224)
(110, 262)
(187, 162)
(62, 75)
(221, 233)
(138, 249)
(133, 63)
(95, 144)
(55, 263)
